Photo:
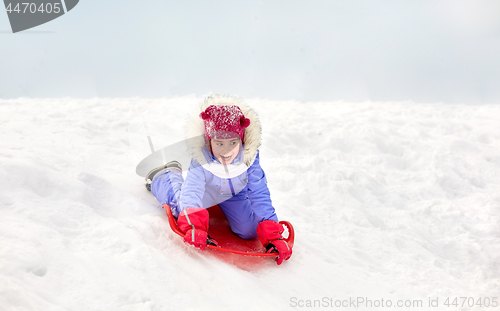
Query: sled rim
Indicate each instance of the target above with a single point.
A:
(290, 239)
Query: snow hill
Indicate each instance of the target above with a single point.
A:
(391, 203)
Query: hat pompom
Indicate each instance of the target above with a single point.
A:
(204, 115)
(245, 122)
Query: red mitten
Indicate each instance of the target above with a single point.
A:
(193, 221)
(269, 233)
(282, 248)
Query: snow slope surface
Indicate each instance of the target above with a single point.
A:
(391, 202)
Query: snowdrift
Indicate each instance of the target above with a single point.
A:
(391, 202)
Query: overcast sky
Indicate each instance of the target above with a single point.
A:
(424, 51)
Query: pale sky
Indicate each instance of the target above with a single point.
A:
(422, 51)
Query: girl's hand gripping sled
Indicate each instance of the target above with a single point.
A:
(229, 242)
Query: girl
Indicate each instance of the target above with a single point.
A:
(224, 170)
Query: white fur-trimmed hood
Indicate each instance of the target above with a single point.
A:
(196, 129)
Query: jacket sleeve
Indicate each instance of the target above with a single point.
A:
(259, 194)
(193, 187)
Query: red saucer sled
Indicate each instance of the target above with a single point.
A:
(229, 242)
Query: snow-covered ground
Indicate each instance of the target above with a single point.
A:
(395, 203)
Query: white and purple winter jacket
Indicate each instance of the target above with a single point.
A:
(202, 188)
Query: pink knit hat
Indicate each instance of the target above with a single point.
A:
(224, 121)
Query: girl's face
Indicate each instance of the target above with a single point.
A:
(225, 150)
